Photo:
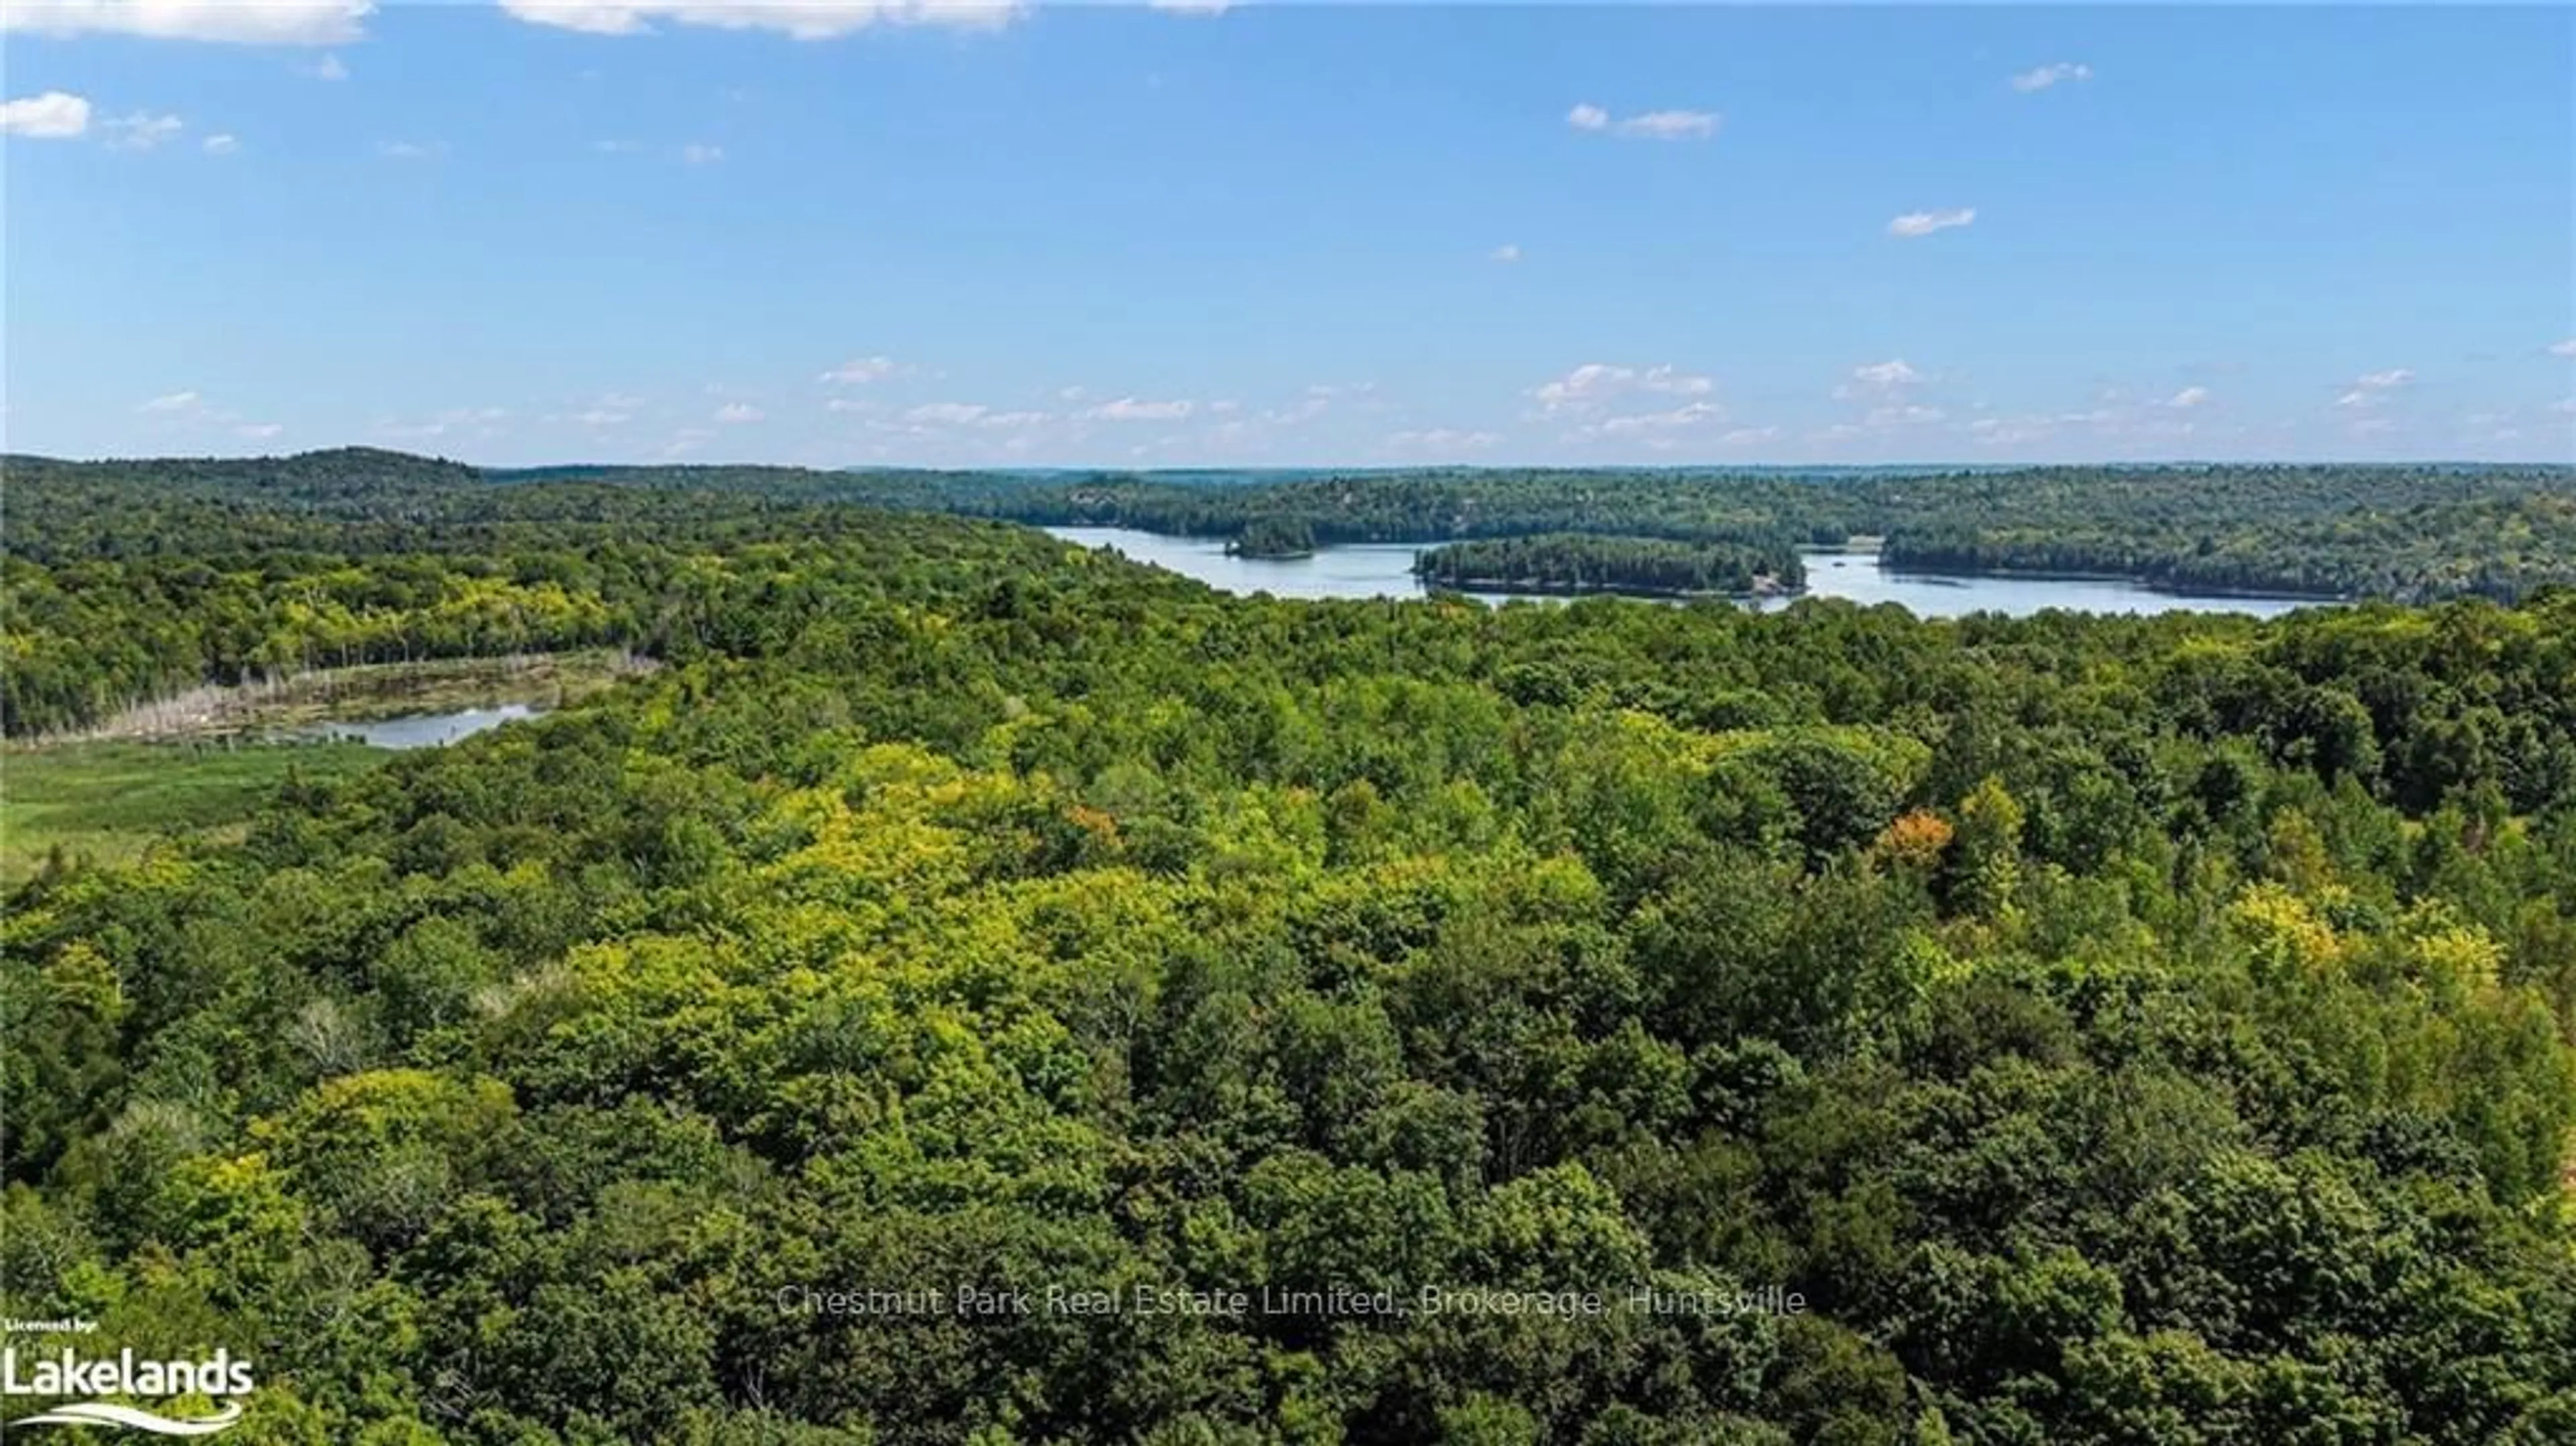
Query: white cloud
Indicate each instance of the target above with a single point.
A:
(861, 370)
(2188, 397)
(1665, 379)
(2565, 348)
(1011, 421)
(956, 414)
(238, 22)
(2048, 75)
(221, 145)
(1596, 382)
(1442, 439)
(1191, 7)
(1585, 383)
(54, 116)
(1907, 415)
(601, 417)
(2565, 406)
(1924, 223)
(1747, 436)
(2371, 388)
(327, 68)
(802, 19)
(172, 404)
(1505, 253)
(258, 431)
(409, 150)
(1881, 376)
(1653, 125)
(738, 412)
(140, 131)
(1670, 125)
(1073, 394)
(700, 154)
(1129, 409)
(1692, 415)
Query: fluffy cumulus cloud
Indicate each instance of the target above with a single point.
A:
(140, 131)
(737, 413)
(1653, 125)
(802, 19)
(54, 116)
(2372, 388)
(2188, 397)
(1693, 415)
(858, 371)
(1131, 409)
(1924, 223)
(1892, 373)
(2049, 75)
(1597, 383)
(1505, 253)
(234, 22)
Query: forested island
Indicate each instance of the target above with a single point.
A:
(2107, 1029)
(1580, 563)
(1273, 537)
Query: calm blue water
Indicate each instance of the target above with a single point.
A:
(420, 730)
(1369, 570)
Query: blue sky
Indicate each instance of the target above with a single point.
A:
(1291, 234)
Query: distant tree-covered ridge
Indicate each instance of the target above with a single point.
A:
(125, 581)
(1584, 563)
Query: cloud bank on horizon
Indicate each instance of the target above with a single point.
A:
(995, 233)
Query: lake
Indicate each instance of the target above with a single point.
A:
(418, 730)
(1385, 569)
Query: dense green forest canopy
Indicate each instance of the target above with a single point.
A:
(1565, 562)
(2113, 1030)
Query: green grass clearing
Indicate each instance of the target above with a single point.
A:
(110, 801)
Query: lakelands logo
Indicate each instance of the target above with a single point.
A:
(67, 1373)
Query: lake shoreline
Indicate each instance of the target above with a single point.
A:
(295, 706)
(1384, 571)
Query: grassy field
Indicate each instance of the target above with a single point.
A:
(112, 800)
